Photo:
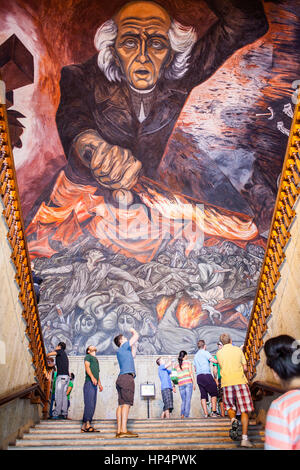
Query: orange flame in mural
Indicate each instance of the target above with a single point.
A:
(188, 312)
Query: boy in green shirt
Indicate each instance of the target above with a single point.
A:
(217, 375)
(70, 387)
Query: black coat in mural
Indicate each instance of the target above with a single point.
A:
(90, 101)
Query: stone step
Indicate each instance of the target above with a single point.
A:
(158, 421)
(203, 446)
(211, 422)
(69, 426)
(164, 435)
(177, 434)
(162, 432)
(132, 444)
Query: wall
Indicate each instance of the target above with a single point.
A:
(16, 370)
(205, 147)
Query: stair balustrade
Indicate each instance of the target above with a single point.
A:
(20, 257)
(283, 216)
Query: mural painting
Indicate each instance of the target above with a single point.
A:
(148, 146)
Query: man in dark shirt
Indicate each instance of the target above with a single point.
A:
(62, 381)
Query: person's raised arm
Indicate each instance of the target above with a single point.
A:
(133, 341)
(52, 354)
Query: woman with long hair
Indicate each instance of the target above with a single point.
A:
(186, 383)
(282, 430)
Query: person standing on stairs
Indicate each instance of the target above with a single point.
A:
(236, 392)
(167, 388)
(90, 388)
(125, 381)
(186, 383)
(70, 388)
(206, 383)
(217, 375)
(62, 381)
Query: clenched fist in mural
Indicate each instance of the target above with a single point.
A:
(112, 166)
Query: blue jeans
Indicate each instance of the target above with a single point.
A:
(90, 400)
(186, 396)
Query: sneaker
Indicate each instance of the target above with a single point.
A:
(214, 415)
(234, 431)
(246, 443)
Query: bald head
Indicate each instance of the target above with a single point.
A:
(143, 11)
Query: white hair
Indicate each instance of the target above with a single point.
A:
(182, 40)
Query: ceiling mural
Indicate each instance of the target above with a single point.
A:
(148, 139)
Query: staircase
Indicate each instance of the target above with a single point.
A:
(154, 434)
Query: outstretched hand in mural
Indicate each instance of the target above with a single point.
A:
(112, 166)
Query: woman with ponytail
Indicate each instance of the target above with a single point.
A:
(186, 383)
(283, 419)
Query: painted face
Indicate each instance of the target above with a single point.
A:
(85, 324)
(125, 322)
(142, 46)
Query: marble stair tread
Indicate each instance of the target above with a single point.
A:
(206, 446)
(173, 434)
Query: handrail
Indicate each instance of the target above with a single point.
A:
(20, 255)
(23, 393)
(267, 387)
(279, 236)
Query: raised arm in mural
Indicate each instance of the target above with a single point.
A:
(117, 110)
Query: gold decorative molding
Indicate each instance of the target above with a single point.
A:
(20, 256)
(283, 216)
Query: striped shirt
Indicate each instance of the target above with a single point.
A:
(184, 374)
(282, 430)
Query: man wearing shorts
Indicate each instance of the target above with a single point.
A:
(205, 380)
(125, 381)
(236, 393)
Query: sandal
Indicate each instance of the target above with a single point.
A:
(89, 429)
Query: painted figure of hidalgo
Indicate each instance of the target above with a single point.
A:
(118, 109)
